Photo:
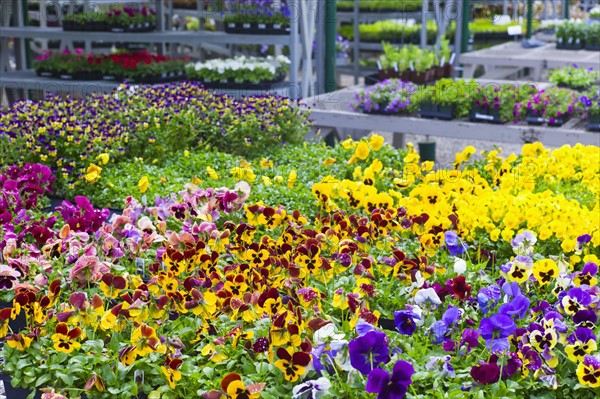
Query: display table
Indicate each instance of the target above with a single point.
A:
(512, 54)
(332, 111)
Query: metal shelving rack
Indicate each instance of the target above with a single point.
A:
(357, 17)
(300, 44)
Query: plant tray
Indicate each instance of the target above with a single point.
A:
(78, 76)
(538, 121)
(484, 115)
(592, 47)
(436, 111)
(594, 123)
(154, 79)
(257, 29)
(45, 74)
(265, 85)
(133, 28)
(14, 392)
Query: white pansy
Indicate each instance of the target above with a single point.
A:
(327, 331)
(460, 266)
(427, 295)
(315, 389)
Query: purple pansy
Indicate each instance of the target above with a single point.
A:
(392, 386)
(369, 351)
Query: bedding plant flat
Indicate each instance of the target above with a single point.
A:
(474, 281)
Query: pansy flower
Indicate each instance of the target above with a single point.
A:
(588, 371)
(292, 364)
(66, 340)
(587, 275)
(368, 351)
(170, 370)
(545, 271)
(392, 386)
(582, 342)
(496, 330)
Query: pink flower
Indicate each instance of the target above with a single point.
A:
(85, 271)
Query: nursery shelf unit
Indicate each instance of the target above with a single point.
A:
(512, 55)
(330, 112)
(357, 17)
(300, 20)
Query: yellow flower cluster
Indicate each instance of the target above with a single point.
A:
(553, 193)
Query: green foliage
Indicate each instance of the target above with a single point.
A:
(574, 77)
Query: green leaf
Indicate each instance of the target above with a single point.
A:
(43, 379)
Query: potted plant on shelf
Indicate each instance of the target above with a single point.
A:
(342, 48)
(446, 99)
(591, 104)
(257, 17)
(554, 106)
(570, 36)
(574, 77)
(592, 36)
(239, 72)
(496, 104)
(388, 97)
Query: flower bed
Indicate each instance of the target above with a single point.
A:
(485, 274)
(240, 72)
(123, 20)
(75, 137)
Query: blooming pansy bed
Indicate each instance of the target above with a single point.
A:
(474, 281)
(76, 137)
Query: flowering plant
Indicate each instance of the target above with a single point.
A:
(389, 96)
(553, 103)
(145, 122)
(342, 46)
(591, 101)
(67, 62)
(258, 12)
(240, 69)
(574, 77)
(202, 294)
(502, 99)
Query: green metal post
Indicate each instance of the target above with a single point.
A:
(466, 14)
(529, 18)
(565, 9)
(330, 52)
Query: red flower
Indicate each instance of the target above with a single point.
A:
(460, 288)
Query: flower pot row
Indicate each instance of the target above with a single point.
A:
(534, 120)
(257, 28)
(431, 75)
(87, 76)
(102, 26)
(231, 84)
(436, 111)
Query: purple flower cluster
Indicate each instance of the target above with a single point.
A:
(391, 96)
